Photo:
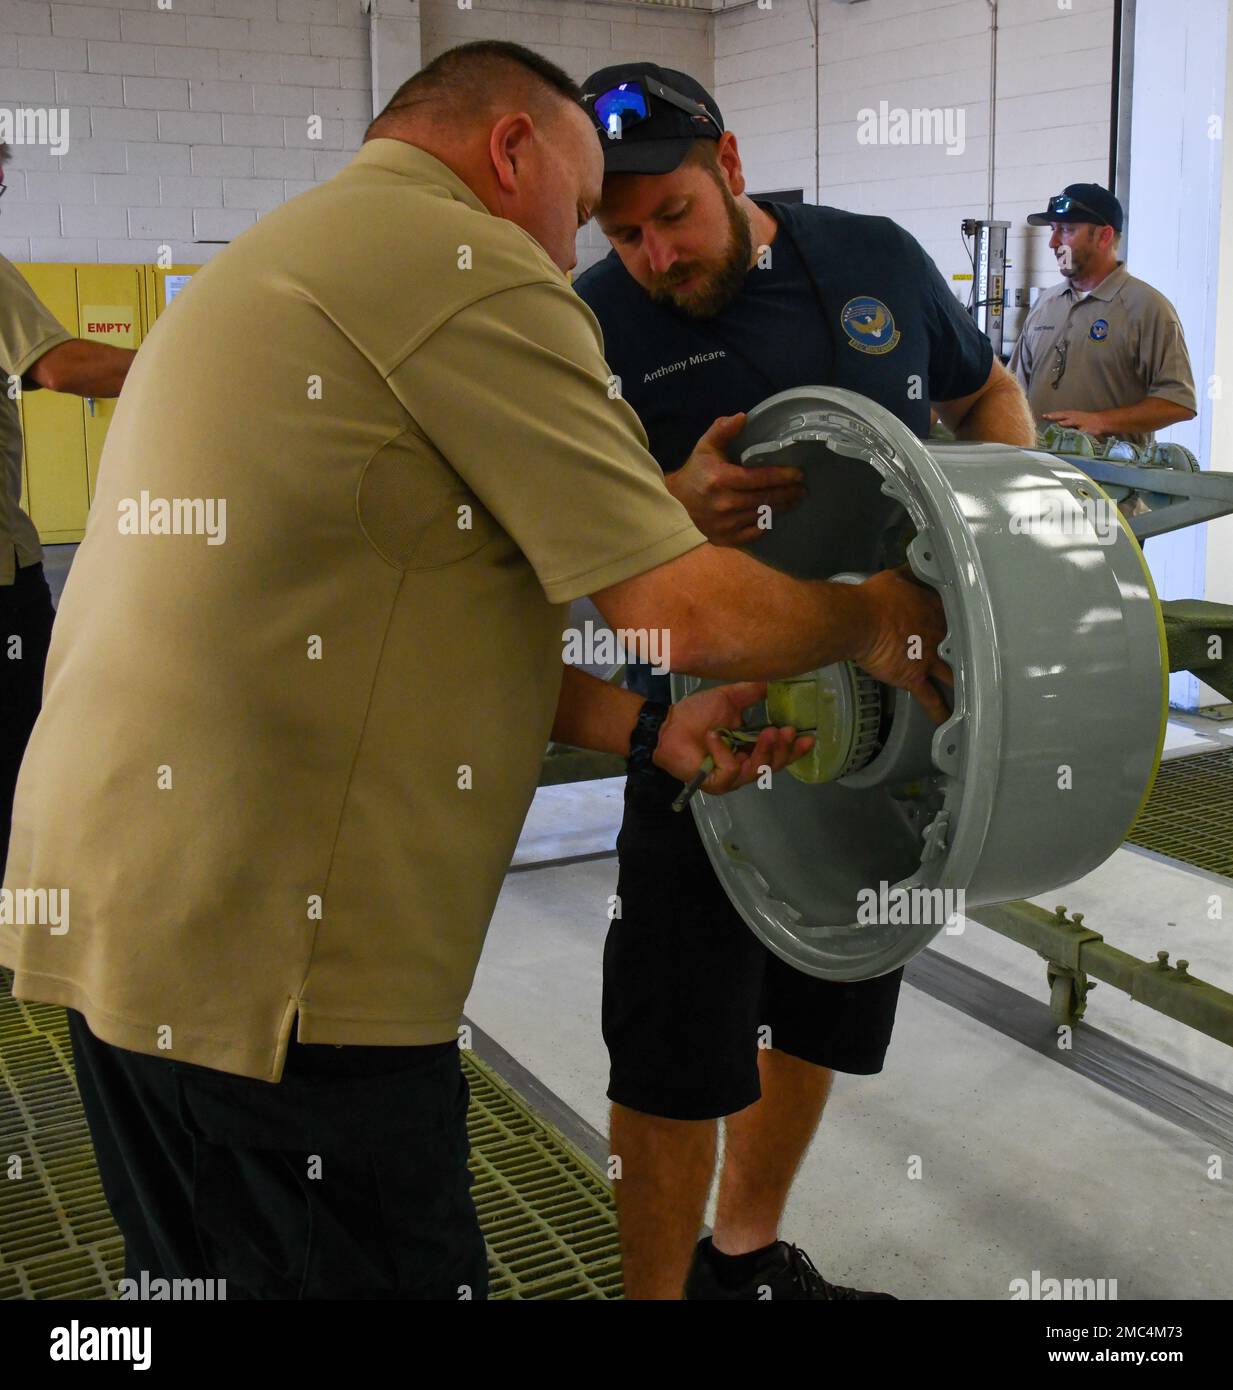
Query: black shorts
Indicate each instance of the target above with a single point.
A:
(690, 993)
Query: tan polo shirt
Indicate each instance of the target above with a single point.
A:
(285, 754)
(1123, 343)
(27, 331)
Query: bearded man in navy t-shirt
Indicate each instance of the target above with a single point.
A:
(709, 303)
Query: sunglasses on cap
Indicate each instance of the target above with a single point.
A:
(1063, 203)
(625, 105)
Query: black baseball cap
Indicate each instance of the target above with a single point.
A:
(1081, 202)
(648, 116)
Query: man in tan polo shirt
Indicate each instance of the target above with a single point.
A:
(304, 670)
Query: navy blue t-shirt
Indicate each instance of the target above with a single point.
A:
(887, 326)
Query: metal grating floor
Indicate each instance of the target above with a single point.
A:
(546, 1213)
(1189, 815)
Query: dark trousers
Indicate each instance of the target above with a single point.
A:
(347, 1179)
(25, 632)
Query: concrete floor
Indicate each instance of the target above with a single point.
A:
(1024, 1165)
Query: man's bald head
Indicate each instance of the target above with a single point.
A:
(473, 84)
(511, 125)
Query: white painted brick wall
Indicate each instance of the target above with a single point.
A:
(187, 124)
(581, 37)
(220, 161)
(1053, 96)
(84, 22)
(158, 159)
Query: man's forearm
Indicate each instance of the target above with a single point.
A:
(760, 624)
(999, 415)
(592, 713)
(1144, 417)
(753, 622)
(82, 367)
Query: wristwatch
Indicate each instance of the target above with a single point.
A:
(645, 737)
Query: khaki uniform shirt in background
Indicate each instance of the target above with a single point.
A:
(1124, 343)
(441, 388)
(27, 331)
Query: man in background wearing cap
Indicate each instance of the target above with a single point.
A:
(1101, 352)
(709, 304)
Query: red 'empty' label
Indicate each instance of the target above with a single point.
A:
(113, 323)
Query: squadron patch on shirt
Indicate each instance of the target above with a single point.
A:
(1099, 330)
(869, 324)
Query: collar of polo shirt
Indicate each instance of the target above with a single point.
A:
(418, 164)
(1108, 288)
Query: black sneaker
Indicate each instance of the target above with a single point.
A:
(787, 1272)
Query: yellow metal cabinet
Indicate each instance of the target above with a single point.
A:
(111, 309)
(56, 492)
(64, 435)
(162, 286)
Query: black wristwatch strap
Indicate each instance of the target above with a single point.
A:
(645, 736)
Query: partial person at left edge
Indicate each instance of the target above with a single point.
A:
(36, 350)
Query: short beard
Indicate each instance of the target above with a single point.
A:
(722, 284)
(1079, 262)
